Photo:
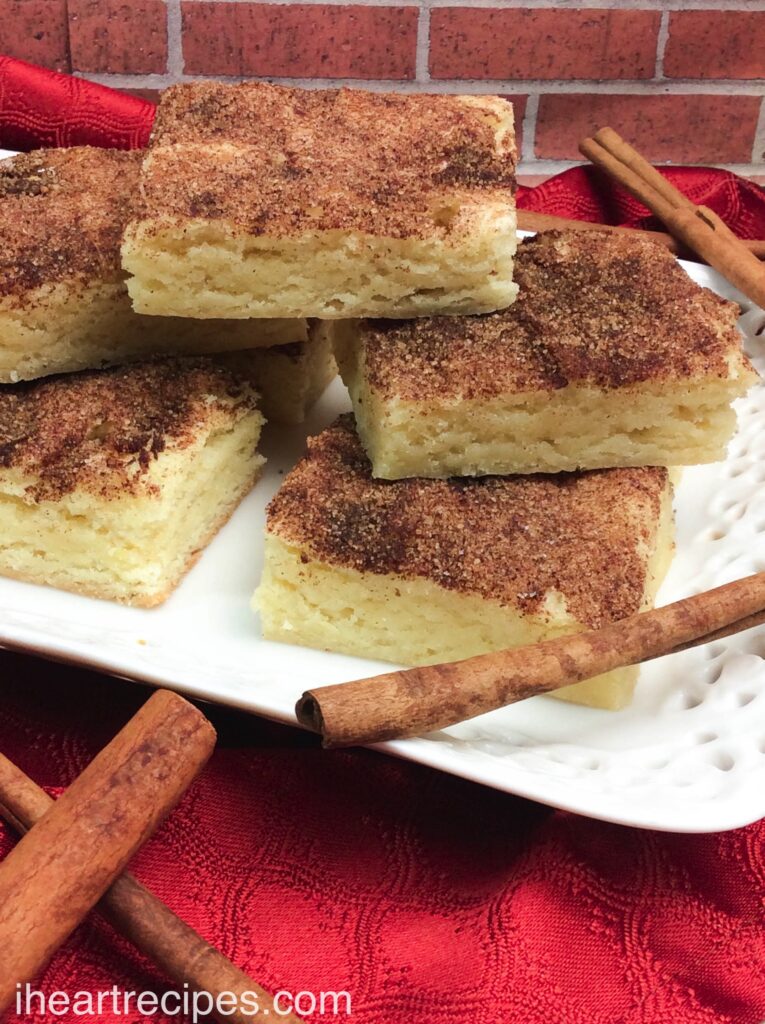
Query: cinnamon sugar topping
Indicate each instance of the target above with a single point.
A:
(62, 212)
(513, 540)
(101, 430)
(594, 308)
(279, 161)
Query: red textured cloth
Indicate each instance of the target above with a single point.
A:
(430, 900)
(585, 193)
(43, 108)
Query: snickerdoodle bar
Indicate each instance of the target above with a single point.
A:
(113, 481)
(265, 201)
(423, 571)
(611, 356)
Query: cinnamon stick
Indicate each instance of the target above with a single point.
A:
(147, 922)
(419, 700)
(697, 227)
(529, 220)
(62, 867)
(615, 144)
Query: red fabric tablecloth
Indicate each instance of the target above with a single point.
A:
(430, 900)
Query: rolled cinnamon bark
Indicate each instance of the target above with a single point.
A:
(185, 956)
(63, 866)
(147, 922)
(530, 220)
(697, 227)
(419, 700)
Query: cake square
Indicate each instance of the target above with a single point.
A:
(63, 301)
(289, 378)
(266, 201)
(423, 571)
(610, 357)
(113, 481)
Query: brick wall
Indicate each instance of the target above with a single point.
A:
(683, 79)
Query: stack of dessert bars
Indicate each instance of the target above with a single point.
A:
(505, 474)
(126, 441)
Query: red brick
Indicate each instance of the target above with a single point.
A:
(35, 30)
(532, 180)
(473, 42)
(121, 36)
(299, 40)
(715, 44)
(150, 95)
(681, 129)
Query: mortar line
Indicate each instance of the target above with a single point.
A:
(661, 45)
(422, 67)
(175, 62)
(530, 127)
(613, 87)
(758, 146)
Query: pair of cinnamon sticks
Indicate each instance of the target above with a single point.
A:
(694, 232)
(697, 227)
(77, 847)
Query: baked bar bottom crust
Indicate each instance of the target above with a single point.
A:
(76, 325)
(200, 268)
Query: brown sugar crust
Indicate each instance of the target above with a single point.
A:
(270, 160)
(507, 539)
(62, 213)
(101, 430)
(593, 308)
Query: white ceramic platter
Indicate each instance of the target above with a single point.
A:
(688, 755)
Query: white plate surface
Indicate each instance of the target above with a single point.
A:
(688, 755)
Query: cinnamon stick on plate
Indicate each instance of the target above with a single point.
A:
(698, 227)
(530, 220)
(148, 923)
(63, 866)
(419, 700)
